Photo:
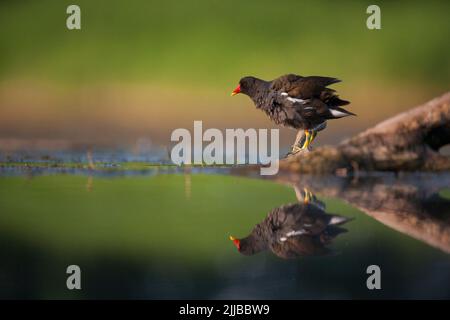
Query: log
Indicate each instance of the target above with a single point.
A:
(409, 141)
(411, 203)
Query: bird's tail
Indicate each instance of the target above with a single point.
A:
(338, 112)
(331, 99)
(337, 220)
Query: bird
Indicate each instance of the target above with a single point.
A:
(304, 103)
(294, 230)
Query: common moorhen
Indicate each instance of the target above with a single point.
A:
(292, 230)
(302, 103)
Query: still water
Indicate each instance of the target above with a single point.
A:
(167, 235)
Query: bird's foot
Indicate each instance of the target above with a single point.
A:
(294, 150)
(306, 148)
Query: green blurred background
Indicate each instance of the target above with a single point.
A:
(143, 68)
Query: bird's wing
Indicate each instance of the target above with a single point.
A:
(303, 87)
(292, 219)
(309, 87)
(284, 82)
(305, 108)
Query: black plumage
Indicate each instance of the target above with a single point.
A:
(294, 230)
(302, 103)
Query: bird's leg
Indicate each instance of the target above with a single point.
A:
(314, 132)
(299, 193)
(310, 136)
(307, 196)
(307, 140)
(298, 138)
(313, 136)
(296, 146)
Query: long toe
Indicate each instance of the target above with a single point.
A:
(295, 150)
(306, 148)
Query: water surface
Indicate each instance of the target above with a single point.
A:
(166, 235)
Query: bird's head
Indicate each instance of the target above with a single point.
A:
(249, 245)
(246, 86)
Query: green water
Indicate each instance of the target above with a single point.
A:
(166, 236)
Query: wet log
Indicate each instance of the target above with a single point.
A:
(411, 203)
(409, 141)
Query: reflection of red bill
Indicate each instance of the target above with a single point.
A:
(236, 242)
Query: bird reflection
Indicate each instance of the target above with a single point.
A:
(294, 230)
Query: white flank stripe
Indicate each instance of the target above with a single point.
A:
(295, 233)
(296, 100)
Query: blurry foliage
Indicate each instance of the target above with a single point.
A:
(213, 43)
